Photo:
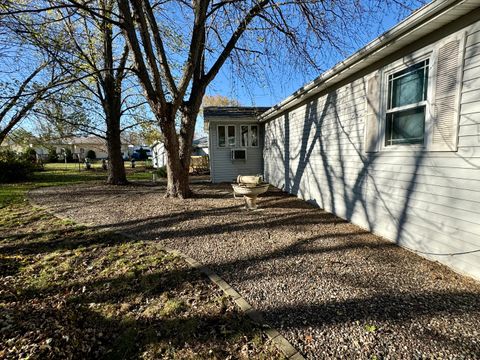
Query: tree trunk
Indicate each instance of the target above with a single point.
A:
(177, 182)
(112, 103)
(179, 150)
(3, 135)
(177, 173)
(116, 168)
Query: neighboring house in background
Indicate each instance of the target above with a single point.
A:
(9, 144)
(159, 155)
(389, 138)
(235, 141)
(79, 145)
(200, 146)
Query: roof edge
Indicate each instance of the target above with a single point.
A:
(419, 16)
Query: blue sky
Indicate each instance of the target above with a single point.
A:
(281, 83)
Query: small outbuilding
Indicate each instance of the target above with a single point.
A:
(235, 141)
(199, 149)
(200, 146)
(159, 154)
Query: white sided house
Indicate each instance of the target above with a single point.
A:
(235, 141)
(389, 139)
(159, 154)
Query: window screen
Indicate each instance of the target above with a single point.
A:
(407, 95)
(231, 135)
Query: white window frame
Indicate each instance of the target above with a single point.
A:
(241, 135)
(430, 52)
(227, 144)
(399, 65)
(249, 135)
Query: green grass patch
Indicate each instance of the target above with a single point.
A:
(58, 174)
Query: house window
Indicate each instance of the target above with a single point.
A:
(254, 135)
(221, 136)
(407, 105)
(226, 135)
(244, 133)
(231, 135)
(249, 135)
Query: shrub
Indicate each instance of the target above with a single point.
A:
(162, 172)
(30, 155)
(52, 156)
(68, 154)
(91, 155)
(15, 168)
(148, 164)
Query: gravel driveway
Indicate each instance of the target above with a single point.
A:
(330, 287)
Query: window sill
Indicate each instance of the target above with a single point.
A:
(406, 147)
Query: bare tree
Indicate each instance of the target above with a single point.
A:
(92, 52)
(218, 31)
(21, 96)
(94, 48)
(204, 34)
(13, 109)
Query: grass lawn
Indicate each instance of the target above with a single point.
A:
(69, 291)
(62, 174)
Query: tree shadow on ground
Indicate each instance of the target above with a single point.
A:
(375, 299)
(96, 326)
(166, 225)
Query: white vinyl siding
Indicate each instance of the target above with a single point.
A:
(326, 152)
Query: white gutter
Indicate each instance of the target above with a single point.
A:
(410, 23)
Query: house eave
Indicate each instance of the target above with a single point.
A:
(421, 22)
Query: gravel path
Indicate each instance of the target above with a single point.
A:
(331, 288)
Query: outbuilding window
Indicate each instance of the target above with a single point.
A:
(226, 135)
(249, 135)
(244, 132)
(407, 105)
(254, 135)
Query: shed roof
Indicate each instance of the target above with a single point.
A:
(419, 24)
(231, 112)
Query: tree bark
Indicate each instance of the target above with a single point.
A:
(177, 173)
(112, 105)
(116, 168)
(177, 181)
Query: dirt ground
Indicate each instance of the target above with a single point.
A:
(73, 292)
(331, 288)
